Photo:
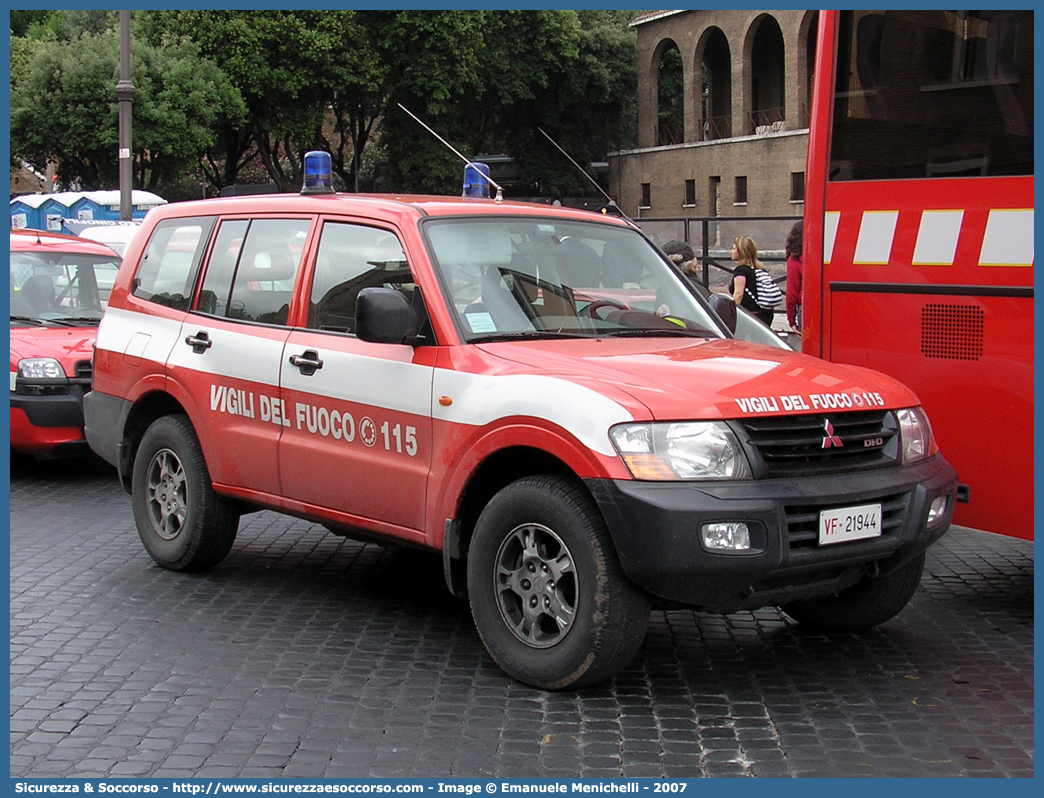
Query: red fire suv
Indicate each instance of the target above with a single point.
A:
(58, 289)
(534, 391)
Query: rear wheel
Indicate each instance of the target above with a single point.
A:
(866, 604)
(182, 523)
(549, 598)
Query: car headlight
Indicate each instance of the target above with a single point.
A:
(915, 434)
(40, 368)
(688, 450)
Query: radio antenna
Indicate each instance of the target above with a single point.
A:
(611, 202)
(500, 191)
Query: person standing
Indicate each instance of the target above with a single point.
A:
(793, 249)
(744, 285)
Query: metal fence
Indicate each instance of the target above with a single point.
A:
(711, 238)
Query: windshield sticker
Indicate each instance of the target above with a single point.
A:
(810, 402)
(481, 322)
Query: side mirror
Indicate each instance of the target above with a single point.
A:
(385, 316)
(725, 307)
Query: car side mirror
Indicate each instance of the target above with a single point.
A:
(725, 307)
(385, 316)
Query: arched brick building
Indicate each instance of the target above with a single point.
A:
(723, 102)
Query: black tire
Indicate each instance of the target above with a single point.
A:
(549, 598)
(868, 603)
(182, 523)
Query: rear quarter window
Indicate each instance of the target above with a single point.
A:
(168, 268)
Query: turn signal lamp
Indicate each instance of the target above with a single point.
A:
(318, 173)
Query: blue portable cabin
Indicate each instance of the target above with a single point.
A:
(55, 207)
(49, 211)
(88, 208)
(25, 211)
(106, 205)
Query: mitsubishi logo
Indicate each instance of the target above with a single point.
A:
(831, 439)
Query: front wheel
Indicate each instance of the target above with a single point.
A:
(182, 523)
(866, 604)
(549, 598)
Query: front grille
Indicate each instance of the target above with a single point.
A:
(803, 520)
(40, 389)
(824, 443)
(84, 369)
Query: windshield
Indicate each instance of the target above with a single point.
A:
(540, 278)
(60, 288)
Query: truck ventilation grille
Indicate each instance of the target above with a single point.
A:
(824, 443)
(951, 332)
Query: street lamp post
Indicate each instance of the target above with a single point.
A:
(125, 94)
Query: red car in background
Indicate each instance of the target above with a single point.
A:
(58, 289)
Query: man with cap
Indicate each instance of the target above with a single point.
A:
(682, 254)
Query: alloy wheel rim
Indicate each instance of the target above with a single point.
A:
(536, 585)
(165, 494)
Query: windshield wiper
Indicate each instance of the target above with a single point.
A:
(29, 320)
(524, 335)
(637, 332)
(66, 321)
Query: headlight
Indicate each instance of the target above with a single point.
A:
(915, 434)
(680, 451)
(40, 368)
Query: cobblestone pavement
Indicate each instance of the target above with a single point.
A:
(304, 654)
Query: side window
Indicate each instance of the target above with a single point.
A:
(933, 93)
(250, 276)
(167, 270)
(350, 258)
(221, 268)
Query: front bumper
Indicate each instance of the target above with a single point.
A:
(52, 418)
(656, 530)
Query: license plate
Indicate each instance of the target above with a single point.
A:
(849, 523)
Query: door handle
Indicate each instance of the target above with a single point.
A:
(308, 361)
(200, 342)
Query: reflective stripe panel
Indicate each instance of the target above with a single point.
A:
(1009, 239)
(937, 238)
(876, 233)
(830, 222)
(478, 399)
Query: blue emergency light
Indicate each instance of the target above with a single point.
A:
(318, 174)
(476, 182)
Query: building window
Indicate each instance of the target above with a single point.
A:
(797, 186)
(646, 201)
(714, 195)
(690, 193)
(741, 190)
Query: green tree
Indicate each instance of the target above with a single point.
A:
(333, 80)
(37, 24)
(64, 109)
(569, 73)
(283, 64)
(435, 53)
(435, 72)
(589, 108)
